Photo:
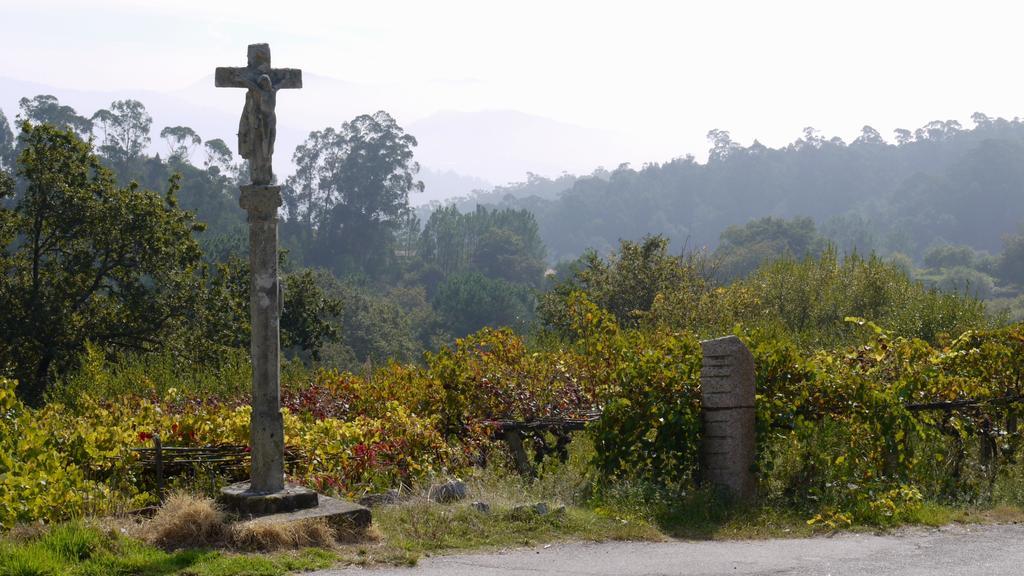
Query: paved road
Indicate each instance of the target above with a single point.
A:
(952, 551)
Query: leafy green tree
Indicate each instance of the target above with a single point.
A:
(352, 186)
(501, 243)
(1011, 262)
(6, 145)
(181, 141)
(949, 256)
(125, 130)
(309, 316)
(744, 248)
(869, 136)
(965, 280)
(500, 253)
(625, 284)
(722, 145)
(810, 299)
(218, 156)
(468, 302)
(46, 109)
(87, 261)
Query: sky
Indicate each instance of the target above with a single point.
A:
(657, 74)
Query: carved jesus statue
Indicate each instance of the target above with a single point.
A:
(257, 129)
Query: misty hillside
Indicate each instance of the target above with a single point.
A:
(459, 151)
(938, 184)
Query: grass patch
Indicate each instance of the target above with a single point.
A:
(76, 549)
(425, 527)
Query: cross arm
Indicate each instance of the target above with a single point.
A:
(286, 77)
(227, 77)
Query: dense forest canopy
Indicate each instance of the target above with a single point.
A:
(939, 184)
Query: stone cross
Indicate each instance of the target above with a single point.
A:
(257, 129)
(728, 446)
(260, 200)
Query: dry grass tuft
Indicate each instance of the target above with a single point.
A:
(189, 521)
(185, 521)
(265, 536)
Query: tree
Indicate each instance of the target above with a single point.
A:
(125, 128)
(181, 140)
(869, 135)
(352, 185)
(6, 145)
(1011, 263)
(626, 284)
(46, 109)
(722, 145)
(471, 301)
(949, 256)
(87, 261)
(500, 253)
(502, 244)
(309, 316)
(744, 248)
(218, 156)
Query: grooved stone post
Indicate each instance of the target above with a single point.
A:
(266, 431)
(728, 448)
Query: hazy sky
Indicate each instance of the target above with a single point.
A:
(660, 72)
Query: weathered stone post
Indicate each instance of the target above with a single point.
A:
(728, 447)
(266, 433)
(266, 492)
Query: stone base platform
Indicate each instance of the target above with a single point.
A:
(339, 514)
(242, 499)
(293, 504)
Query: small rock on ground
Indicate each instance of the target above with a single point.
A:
(451, 491)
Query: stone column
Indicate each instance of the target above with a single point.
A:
(266, 430)
(728, 446)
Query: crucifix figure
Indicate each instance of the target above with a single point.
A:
(257, 128)
(260, 199)
(266, 491)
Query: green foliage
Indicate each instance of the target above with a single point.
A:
(38, 479)
(962, 280)
(181, 140)
(840, 433)
(352, 187)
(87, 261)
(1011, 265)
(745, 248)
(650, 427)
(305, 319)
(627, 283)
(125, 127)
(218, 157)
(810, 299)
(949, 256)
(502, 244)
(960, 186)
(6, 145)
(468, 302)
(493, 375)
(46, 109)
(309, 316)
